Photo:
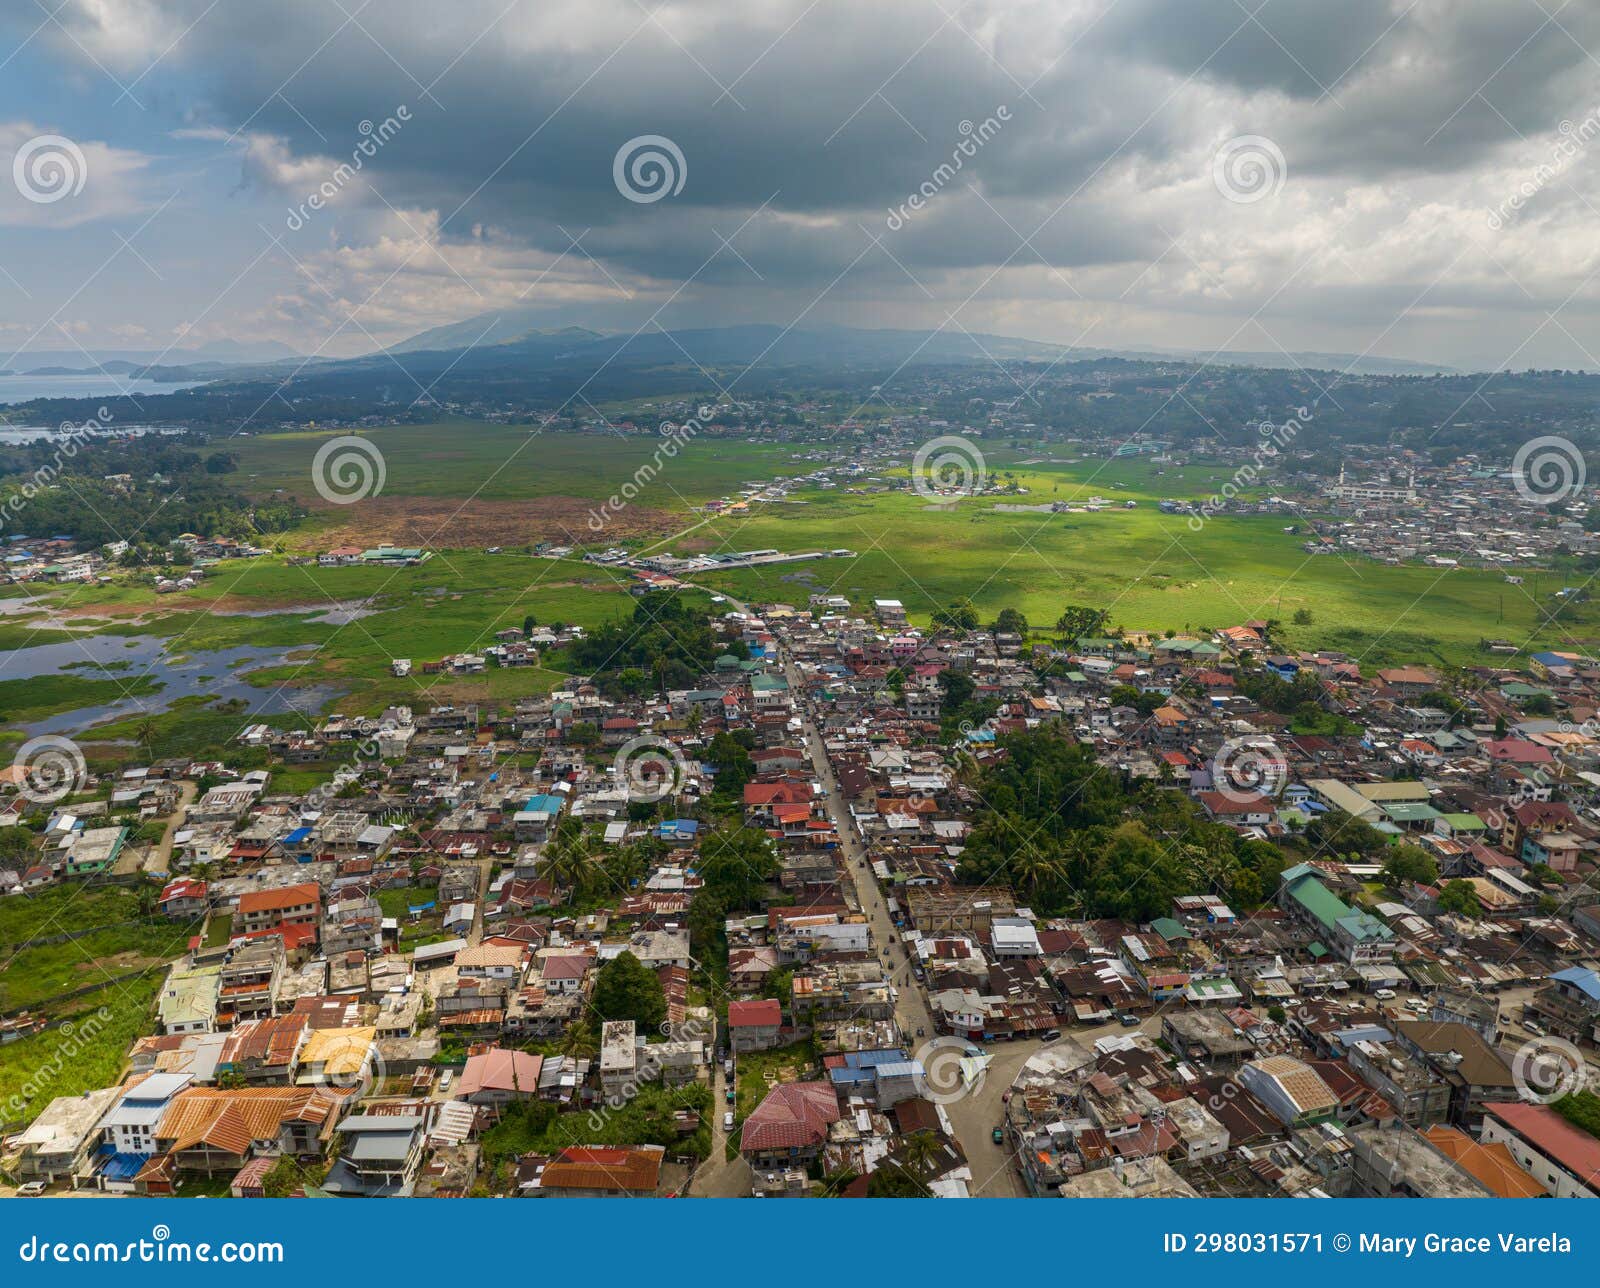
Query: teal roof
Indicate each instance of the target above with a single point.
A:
(1411, 812)
(1327, 909)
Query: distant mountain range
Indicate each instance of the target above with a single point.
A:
(506, 340)
(214, 355)
(501, 349)
(510, 335)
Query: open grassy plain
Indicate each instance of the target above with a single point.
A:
(1152, 570)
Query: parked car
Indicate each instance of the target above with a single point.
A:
(31, 1189)
(971, 1051)
(1127, 1019)
(730, 1096)
(998, 1135)
(727, 1121)
(445, 1079)
(727, 1067)
(1384, 994)
(1052, 1034)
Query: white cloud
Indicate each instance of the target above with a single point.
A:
(94, 180)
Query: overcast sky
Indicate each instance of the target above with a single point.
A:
(1407, 179)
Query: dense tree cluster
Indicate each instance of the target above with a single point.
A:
(1071, 836)
(666, 644)
(100, 490)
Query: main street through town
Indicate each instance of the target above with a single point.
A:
(976, 1109)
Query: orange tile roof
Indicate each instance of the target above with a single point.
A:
(1490, 1163)
(230, 1120)
(589, 1168)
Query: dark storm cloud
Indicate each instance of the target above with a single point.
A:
(808, 129)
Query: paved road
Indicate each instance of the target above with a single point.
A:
(974, 1114)
(911, 1010)
(718, 1177)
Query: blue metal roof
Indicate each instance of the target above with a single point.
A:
(1580, 977)
(123, 1167)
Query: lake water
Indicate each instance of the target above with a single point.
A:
(19, 434)
(20, 389)
(210, 673)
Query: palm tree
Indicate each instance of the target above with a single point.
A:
(579, 1041)
(144, 734)
(919, 1151)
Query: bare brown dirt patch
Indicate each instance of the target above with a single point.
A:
(449, 523)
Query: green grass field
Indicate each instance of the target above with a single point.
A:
(58, 909)
(33, 976)
(35, 1070)
(516, 462)
(1149, 569)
